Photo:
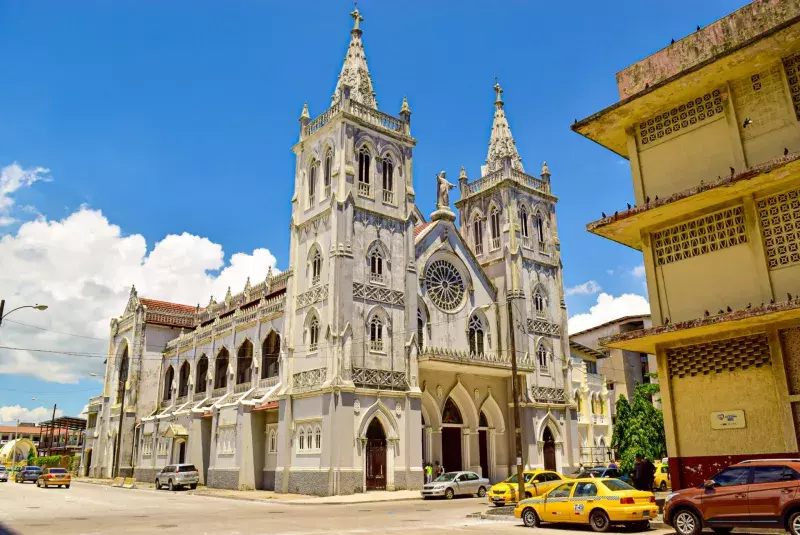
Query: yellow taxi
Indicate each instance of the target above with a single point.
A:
(662, 481)
(54, 477)
(598, 502)
(537, 482)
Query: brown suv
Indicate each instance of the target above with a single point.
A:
(750, 494)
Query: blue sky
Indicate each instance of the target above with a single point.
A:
(178, 117)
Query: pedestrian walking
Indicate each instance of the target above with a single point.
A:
(639, 473)
(428, 472)
(437, 470)
(650, 474)
(612, 464)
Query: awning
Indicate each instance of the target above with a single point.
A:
(176, 430)
(266, 406)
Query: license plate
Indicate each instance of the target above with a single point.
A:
(498, 499)
(646, 514)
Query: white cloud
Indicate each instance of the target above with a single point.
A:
(638, 271)
(10, 413)
(610, 271)
(609, 308)
(12, 178)
(587, 288)
(82, 267)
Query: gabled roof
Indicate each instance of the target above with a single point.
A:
(419, 229)
(155, 305)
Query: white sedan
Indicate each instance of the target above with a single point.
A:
(452, 484)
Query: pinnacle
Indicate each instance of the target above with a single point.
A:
(355, 73)
(501, 142)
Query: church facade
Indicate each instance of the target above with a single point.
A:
(386, 343)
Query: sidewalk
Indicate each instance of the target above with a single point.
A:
(275, 497)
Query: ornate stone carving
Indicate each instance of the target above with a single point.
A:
(398, 410)
(378, 293)
(314, 295)
(543, 327)
(357, 407)
(382, 222)
(308, 379)
(381, 379)
(544, 394)
(439, 391)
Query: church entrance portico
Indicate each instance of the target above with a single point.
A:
(375, 457)
(452, 431)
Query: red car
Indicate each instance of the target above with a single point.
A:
(751, 494)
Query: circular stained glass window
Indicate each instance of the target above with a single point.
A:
(445, 285)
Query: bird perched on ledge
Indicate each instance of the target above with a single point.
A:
(788, 296)
(666, 321)
(747, 122)
(730, 309)
(604, 215)
(629, 205)
(707, 313)
(733, 171)
(786, 152)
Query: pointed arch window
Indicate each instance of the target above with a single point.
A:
(301, 439)
(539, 303)
(376, 267)
(477, 231)
(482, 420)
(202, 375)
(542, 356)
(388, 180)
(451, 414)
(495, 228)
(420, 331)
(376, 334)
(524, 227)
(168, 378)
(221, 370)
(273, 441)
(244, 363)
(270, 350)
(327, 175)
(578, 402)
(540, 233)
(312, 185)
(364, 185)
(316, 266)
(122, 378)
(183, 380)
(313, 333)
(476, 335)
(318, 438)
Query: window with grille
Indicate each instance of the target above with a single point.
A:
(327, 175)
(376, 334)
(301, 440)
(541, 355)
(388, 180)
(780, 224)
(539, 303)
(680, 119)
(591, 367)
(540, 228)
(477, 229)
(376, 266)
(313, 334)
(168, 384)
(364, 186)
(699, 236)
(312, 184)
(318, 438)
(316, 267)
(445, 284)
(523, 219)
(495, 224)
(476, 335)
(202, 374)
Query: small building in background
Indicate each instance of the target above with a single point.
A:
(592, 405)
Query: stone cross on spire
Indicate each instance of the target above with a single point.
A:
(355, 73)
(501, 142)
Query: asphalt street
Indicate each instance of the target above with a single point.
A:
(95, 509)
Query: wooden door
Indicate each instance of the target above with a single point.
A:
(483, 446)
(376, 464)
(451, 449)
(549, 450)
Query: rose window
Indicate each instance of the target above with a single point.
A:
(445, 285)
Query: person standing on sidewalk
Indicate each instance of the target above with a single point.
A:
(428, 472)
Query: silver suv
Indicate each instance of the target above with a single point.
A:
(3, 473)
(175, 476)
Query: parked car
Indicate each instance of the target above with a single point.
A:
(603, 471)
(54, 477)
(537, 482)
(598, 502)
(175, 476)
(452, 484)
(28, 473)
(662, 481)
(751, 494)
(3, 474)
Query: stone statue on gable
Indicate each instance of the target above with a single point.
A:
(443, 196)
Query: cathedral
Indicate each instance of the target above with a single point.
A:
(385, 344)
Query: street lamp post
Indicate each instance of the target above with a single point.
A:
(3, 306)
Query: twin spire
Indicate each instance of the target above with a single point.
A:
(355, 73)
(501, 142)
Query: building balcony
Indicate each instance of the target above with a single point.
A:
(527, 242)
(327, 191)
(746, 321)
(494, 244)
(376, 346)
(503, 176)
(268, 382)
(379, 379)
(219, 392)
(492, 363)
(365, 190)
(388, 197)
(583, 419)
(599, 419)
(626, 227)
(595, 381)
(478, 249)
(377, 278)
(197, 396)
(181, 400)
(241, 388)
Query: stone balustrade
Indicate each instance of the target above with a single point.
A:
(322, 120)
(219, 392)
(494, 178)
(242, 387)
(487, 358)
(376, 118)
(268, 382)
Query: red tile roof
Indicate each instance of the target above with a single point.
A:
(23, 430)
(266, 406)
(419, 228)
(165, 306)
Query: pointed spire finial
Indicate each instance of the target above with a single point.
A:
(462, 176)
(269, 272)
(247, 284)
(404, 108)
(545, 169)
(305, 114)
(498, 91)
(357, 18)
(501, 142)
(355, 73)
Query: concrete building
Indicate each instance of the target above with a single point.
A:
(623, 370)
(385, 344)
(710, 126)
(593, 404)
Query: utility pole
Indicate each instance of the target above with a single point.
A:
(120, 386)
(16, 431)
(512, 346)
(52, 430)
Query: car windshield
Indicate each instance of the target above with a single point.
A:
(616, 484)
(2, 468)
(447, 476)
(187, 468)
(58, 471)
(591, 473)
(514, 479)
(32, 469)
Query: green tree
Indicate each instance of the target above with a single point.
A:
(639, 427)
(31, 458)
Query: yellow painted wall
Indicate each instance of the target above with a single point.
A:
(751, 390)
(710, 282)
(682, 162)
(785, 280)
(770, 145)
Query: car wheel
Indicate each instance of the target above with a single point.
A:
(793, 524)
(449, 494)
(158, 485)
(171, 486)
(530, 518)
(482, 492)
(66, 486)
(722, 531)
(599, 521)
(663, 486)
(686, 522)
(193, 486)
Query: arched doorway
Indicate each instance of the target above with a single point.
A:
(452, 422)
(549, 449)
(376, 456)
(87, 463)
(180, 452)
(483, 444)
